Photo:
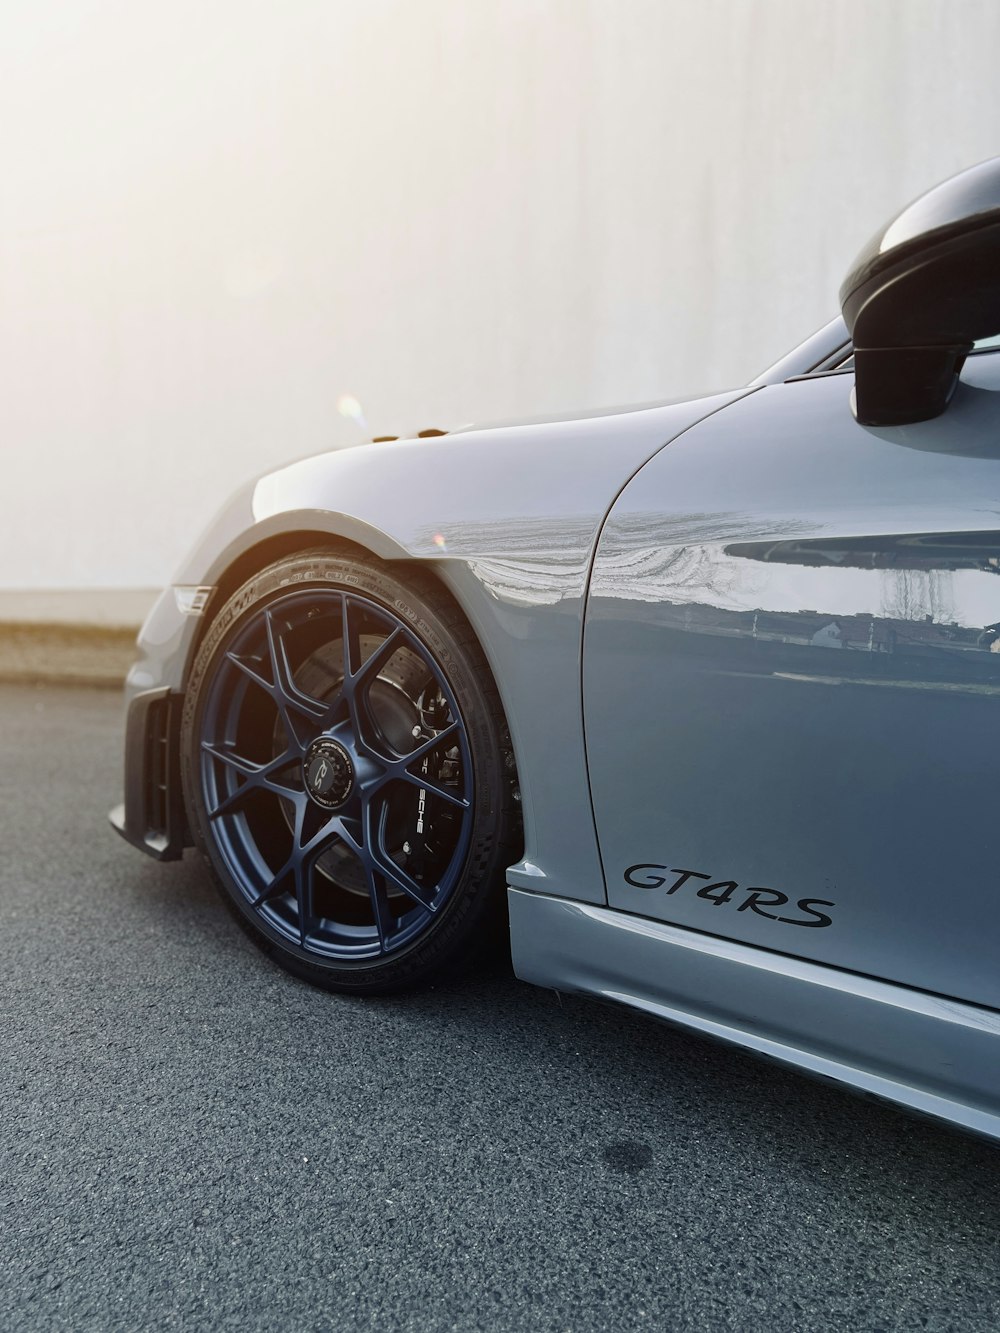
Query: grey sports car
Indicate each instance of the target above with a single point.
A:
(712, 687)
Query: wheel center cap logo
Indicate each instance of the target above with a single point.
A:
(329, 773)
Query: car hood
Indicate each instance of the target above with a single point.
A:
(481, 491)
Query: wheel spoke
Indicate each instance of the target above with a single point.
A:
(334, 705)
(432, 742)
(286, 693)
(354, 840)
(245, 766)
(362, 841)
(259, 777)
(377, 659)
(445, 793)
(400, 768)
(394, 874)
(380, 908)
(287, 696)
(330, 835)
(349, 638)
(305, 854)
(357, 675)
(355, 670)
(304, 896)
(274, 884)
(250, 671)
(385, 866)
(296, 873)
(381, 870)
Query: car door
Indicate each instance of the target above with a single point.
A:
(791, 680)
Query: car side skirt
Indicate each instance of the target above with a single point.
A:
(933, 1055)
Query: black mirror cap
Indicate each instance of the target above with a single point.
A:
(921, 292)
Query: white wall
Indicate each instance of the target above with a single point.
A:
(217, 218)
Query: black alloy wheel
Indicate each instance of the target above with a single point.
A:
(348, 774)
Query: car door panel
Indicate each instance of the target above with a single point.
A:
(791, 691)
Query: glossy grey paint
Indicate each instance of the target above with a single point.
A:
(932, 1055)
(789, 684)
(508, 517)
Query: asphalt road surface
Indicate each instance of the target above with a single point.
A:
(191, 1139)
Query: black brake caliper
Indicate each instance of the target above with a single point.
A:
(431, 837)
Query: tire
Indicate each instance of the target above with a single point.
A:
(347, 772)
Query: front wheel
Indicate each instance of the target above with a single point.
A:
(347, 772)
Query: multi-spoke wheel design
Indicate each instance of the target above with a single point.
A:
(334, 739)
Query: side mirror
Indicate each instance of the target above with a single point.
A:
(921, 292)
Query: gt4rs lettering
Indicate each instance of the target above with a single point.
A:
(649, 875)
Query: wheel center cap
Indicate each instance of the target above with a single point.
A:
(328, 773)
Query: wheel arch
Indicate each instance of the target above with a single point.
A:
(271, 540)
(291, 533)
(295, 530)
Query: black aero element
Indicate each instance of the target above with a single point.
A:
(151, 817)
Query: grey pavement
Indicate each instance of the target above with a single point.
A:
(191, 1139)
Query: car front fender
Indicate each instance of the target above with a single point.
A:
(507, 518)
